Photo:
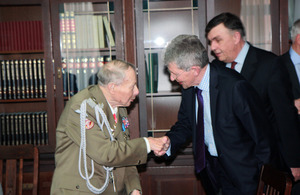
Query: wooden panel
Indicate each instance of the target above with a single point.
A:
(175, 180)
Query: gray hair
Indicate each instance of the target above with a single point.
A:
(186, 51)
(113, 71)
(295, 29)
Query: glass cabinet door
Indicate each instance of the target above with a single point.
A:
(163, 21)
(87, 41)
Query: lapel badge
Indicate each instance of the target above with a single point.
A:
(89, 124)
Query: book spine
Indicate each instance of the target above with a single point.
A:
(1, 81)
(78, 72)
(18, 85)
(92, 71)
(68, 31)
(3, 139)
(95, 31)
(38, 128)
(44, 78)
(72, 80)
(8, 136)
(8, 74)
(42, 119)
(22, 80)
(63, 38)
(4, 82)
(35, 78)
(17, 129)
(30, 77)
(13, 79)
(25, 128)
(46, 128)
(72, 29)
(109, 32)
(26, 76)
(21, 129)
(29, 128)
(153, 68)
(40, 78)
(84, 66)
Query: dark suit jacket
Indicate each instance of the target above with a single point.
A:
(286, 60)
(271, 81)
(240, 127)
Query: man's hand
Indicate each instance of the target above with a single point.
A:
(297, 104)
(159, 145)
(296, 173)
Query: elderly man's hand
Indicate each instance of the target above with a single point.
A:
(159, 145)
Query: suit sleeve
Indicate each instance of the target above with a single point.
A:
(132, 179)
(248, 108)
(280, 94)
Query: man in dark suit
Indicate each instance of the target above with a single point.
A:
(291, 60)
(235, 125)
(226, 36)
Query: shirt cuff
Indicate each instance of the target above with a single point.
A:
(147, 144)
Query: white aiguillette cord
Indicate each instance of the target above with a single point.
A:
(82, 149)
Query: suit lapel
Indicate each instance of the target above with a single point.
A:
(213, 88)
(250, 64)
(292, 72)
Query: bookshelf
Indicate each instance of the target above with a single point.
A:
(27, 105)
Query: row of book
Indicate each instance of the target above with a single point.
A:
(23, 128)
(80, 72)
(151, 66)
(21, 36)
(22, 79)
(85, 31)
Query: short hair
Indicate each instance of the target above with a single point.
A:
(295, 30)
(186, 51)
(113, 71)
(229, 20)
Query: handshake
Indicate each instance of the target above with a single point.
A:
(159, 145)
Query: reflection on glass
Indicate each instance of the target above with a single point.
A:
(87, 41)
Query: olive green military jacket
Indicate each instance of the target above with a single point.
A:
(123, 154)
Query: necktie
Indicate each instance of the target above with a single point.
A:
(200, 145)
(233, 64)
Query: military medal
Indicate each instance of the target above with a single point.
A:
(89, 124)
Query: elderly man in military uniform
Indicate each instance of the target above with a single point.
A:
(94, 154)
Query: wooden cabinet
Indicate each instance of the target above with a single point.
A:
(27, 93)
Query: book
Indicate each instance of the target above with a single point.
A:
(62, 26)
(1, 81)
(2, 126)
(92, 71)
(40, 78)
(13, 79)
(22, 80)
(84, 67)
(46, 127)
(21, 129)
(44, 78)
(42, 128)
(72, 29)
(64, 74)
(18, 84)
(7, 126)
(153, 72)
(68, 30)
(26, 76)
(72, 82)
(95, 31)
(101, 32)
(17, 129)
(24, 128)
(109, 32)
(8, 80)
(78, 72)
(29, 128)
(35, 78)
(38, 128)
(30, 78)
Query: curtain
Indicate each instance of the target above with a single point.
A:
(256, 17)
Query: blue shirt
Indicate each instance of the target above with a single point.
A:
(295, 57)
(240, 59)
(208, 130)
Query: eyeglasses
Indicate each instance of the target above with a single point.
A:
(176, 76)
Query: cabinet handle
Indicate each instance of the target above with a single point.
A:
(59, 73)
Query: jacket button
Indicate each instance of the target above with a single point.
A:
(77, 187)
